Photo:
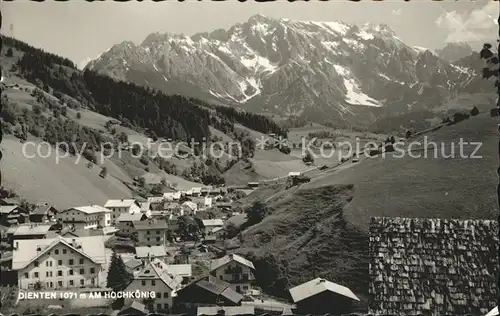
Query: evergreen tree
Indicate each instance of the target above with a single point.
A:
(474, 111)
(257, 212)
(104, 172)
(9, 52)
(118, 277)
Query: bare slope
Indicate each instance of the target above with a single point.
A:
(65, 184)
(320, 228)
(427, 187)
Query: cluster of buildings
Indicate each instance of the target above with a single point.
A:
(61, 250)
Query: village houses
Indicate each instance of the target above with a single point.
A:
(28, 231)
(154, 277)
(210, 224)
(121, 206)
(235, 270)
(92, 216)
(59, 263)
(189, 208)
(125, 222)
(151, 232)
(12, 215)
(43, 213)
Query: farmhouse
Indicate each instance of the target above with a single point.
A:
(86, 217)
(122, 206)
(433, 266)
(135, 308)
(172, 196)
(151, 232)
(156, 279)
(235, 270)
(320, 296)
(43, 214)
(59, 263)
(133, 265)
(189, 208)
(12, 214)
(156, 202)
(182, 270)
(207, 291)
(210, 224)
(125, 222)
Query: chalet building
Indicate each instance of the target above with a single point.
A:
(189, 208)
(220, 233)
(133, 265)
(172, 208)
(28, 231)
(43, 214)
(145, 208)
(433, 266)
(320, 296)
(203, 202)
(207, 291)
(119, 207)
(59, 263)
(196, 191)
(86, 217)
(235, 270)
(183, 271)
(156, 203)
(172, 196)
(253, 184)
(151, 233)
(210, 224)
(12, 215)
(125, 222)
(156, 279)
(151, 252)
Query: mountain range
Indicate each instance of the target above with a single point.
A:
(327, 72)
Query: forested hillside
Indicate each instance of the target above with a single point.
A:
(173, 116)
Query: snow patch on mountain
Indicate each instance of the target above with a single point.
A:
(354, 94)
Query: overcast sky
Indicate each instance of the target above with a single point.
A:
(81, 30)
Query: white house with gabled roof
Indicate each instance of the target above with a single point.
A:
(154, 277)
(235, 270)
(121, 206)
(59, 263)
(91, 216)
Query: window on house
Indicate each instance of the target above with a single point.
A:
(70, 282)
(81, 260)
(36, 263)
(59, 283)
(64, 251)
(82, 282)
(70, 272)
(82, 271)
(148, 238)
(165, 305)
(165, 295)
(158, 306)
(70, 262)
(157, 232)
(56, 251)
(26, 276)
(220, 276)
(157, 238)
(59, 273)
(153, 282)
(59, 262)
(36, 274)
(47, 274)
(143, 283)
(92, 270)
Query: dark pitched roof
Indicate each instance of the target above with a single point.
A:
(217, 287)
(41, 209)
(433, 266)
